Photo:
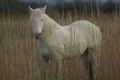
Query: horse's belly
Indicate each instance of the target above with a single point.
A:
(75, 48)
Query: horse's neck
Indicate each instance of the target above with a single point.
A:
(49, 22)
(49, 26)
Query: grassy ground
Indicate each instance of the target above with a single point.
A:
(19, 57)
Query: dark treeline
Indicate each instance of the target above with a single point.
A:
(19, 7)
(81, 6)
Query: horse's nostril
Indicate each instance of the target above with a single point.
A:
(39, 33)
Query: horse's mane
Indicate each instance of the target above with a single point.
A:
(49, 26)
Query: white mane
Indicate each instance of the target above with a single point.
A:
(49, 26)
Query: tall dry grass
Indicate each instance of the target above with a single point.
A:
(19, 58)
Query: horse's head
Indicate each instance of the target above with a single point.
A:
(37, 18)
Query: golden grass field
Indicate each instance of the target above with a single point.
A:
(19, 58)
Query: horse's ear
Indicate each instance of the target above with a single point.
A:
(44, 9)
(30, 9)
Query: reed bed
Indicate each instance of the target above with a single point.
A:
(19, 58)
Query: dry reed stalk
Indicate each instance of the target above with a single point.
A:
(19, 58)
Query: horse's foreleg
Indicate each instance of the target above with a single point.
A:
(44, 62)
(58, 61)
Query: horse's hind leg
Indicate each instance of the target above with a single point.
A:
(93, 59)
(87, 64)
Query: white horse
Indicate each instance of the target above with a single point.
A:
(64, 42)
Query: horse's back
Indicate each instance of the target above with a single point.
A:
(87, 31)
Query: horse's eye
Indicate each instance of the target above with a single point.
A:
(41, 19)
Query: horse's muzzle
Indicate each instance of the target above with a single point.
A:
(38, 36)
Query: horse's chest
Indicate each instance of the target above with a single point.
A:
(42, 49)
